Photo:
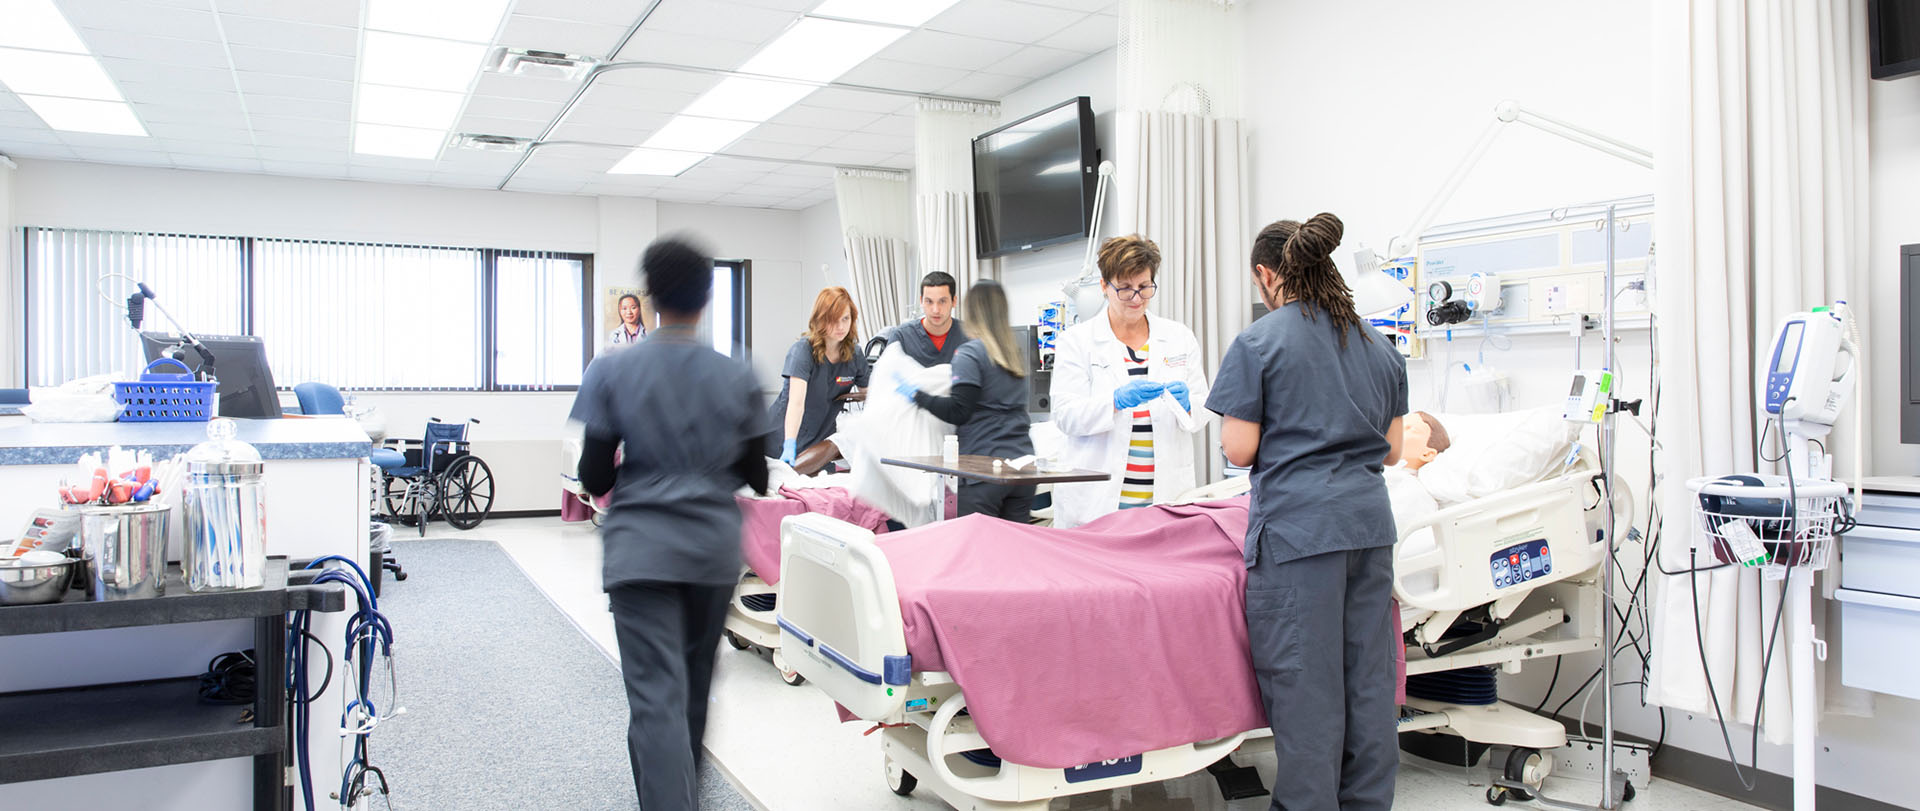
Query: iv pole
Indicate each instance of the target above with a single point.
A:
(1507, 112)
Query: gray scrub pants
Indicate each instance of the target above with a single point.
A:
(1010, 501)
(1322, 642)
(668, 635)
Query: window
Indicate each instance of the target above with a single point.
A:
(357, 316)
(729, 321)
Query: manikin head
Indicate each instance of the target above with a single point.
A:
(1422, 437)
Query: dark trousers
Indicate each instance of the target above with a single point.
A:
(1014, 503)
(667, 634)
(1322, 641)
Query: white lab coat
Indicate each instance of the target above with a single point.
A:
(1088, 366)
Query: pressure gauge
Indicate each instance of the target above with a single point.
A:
(1439, 291)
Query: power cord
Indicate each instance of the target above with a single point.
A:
(229, 679)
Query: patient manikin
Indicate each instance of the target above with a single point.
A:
(1422, 437)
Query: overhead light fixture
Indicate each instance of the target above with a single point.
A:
(910, 13)
(39, 25)
(86, 115)
(742, 99)
(540, 64)
(407, 107)
(645, 161)
(402, 60)
(818, 50)
(37, 73)
(397, 142)
(459, 20)
(491, 143)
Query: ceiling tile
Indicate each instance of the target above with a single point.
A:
(162, 50)
(603, 12)
(687, 49)
(795, 6)
(749, 201)
(1004, 20)
(337, 152)
(510, 127)
(521, 109)
(464, 181)
(770, 149)
(791, 183)
(1038, 61)
(896, 75)
(524, 87)
(945, 50)
(290, 36)
(213, 149)
(110, 146)
(148, 19)
(298, 87)
(865, 101)
(576, 130)
(297, 108)
(476, 160)
(620, 105)
(779, 133)
(308, 168)
(216, 164)
(743, 170)
(985, 85)
(250, 59)
(544, 186)
(179, 77)
(564, 36)
(672, 195)
(848, 157)
(386, 175)
(891, 125)
(196, 133)
(13, 140)
(720, 20)
(316, 143)
(802, 115)
(1089, 36)
(903, 160)
(659, 79)
(302, 11)
(875, 142)
(1103, 6)
(312, 128)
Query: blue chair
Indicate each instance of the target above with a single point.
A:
(322, 399)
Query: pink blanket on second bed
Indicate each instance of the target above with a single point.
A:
(760, 522)
(1119, 637)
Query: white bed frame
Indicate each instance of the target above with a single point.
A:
(747, 628)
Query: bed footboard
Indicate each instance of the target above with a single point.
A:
(839, 616)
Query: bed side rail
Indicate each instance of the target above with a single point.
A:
(1452, 567)
(839, 616)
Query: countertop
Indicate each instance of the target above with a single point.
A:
(65, 443)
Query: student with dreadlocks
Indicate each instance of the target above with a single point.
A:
(1310, 397)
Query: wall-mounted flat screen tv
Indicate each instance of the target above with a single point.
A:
(1033, 180)
(1893, 37)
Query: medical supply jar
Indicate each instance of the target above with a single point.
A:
(125, 547)
(225, 502)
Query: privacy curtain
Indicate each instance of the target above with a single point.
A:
(1181, 174)
(875, 227)
(1762, 172)
(943, 133)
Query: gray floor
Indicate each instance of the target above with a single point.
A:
(509, 705)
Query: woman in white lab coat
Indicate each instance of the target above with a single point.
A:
(1124, 385)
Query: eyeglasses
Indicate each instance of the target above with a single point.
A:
(1133, 293)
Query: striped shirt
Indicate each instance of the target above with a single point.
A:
(1136, 488)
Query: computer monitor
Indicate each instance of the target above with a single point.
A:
(240, 364)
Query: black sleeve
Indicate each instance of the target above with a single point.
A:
(956, 408)
(596, 464)
(752, 464)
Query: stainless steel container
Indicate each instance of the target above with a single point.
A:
(31, 585)
(226, 526)
(126, 551)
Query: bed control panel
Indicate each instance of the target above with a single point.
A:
(1520, 563)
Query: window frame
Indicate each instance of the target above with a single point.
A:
(246, 246)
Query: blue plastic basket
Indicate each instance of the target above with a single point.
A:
(166, 396)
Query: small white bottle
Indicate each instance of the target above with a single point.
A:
(950, 451)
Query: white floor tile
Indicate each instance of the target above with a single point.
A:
(786, 749)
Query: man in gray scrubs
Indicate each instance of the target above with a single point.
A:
(932, 339)
(1312, 398)
(691, 424)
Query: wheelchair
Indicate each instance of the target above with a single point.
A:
(436, 475)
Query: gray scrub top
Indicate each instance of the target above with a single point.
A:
(918, 345)
(999, 426)
(820, 416)
(683, 412)
(1323, 414)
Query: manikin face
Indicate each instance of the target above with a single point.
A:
(629, 312)
(937, 303)
(1127, 296)
(1415, 433)
(837, 331)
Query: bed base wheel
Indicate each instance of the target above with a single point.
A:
(899, 780)
(787, 673)
(734, 640)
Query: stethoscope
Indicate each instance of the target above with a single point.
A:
(369, 629)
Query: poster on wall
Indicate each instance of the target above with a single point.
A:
(626, 310)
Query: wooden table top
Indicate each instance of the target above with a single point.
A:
(980, 468)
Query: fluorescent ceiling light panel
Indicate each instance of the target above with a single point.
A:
(693, 134)
(400, 60)
(38, 73)
(37, 24)
(397, 142)
(910, 13)
(743, 99)
(818, 50)
(407, 107)
(463, 20)
(644, 161)
(86, 115)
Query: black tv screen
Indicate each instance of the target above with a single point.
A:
(1893, 37)
(1033, 180)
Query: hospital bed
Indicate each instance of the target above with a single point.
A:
(1461, 610)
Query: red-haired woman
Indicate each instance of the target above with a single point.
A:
(824, 364)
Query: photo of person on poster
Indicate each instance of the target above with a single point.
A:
(628, 315)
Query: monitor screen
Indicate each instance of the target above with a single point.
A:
(239, 363)
(1893, 37)
(1034, 179)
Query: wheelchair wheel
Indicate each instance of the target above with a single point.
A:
(423, 496)
(466, 492)
(393, 495)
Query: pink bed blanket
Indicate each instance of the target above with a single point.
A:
(1122, 636)
(760, 521)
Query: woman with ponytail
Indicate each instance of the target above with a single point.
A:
(1310, 397)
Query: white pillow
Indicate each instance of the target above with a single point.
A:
(1492, 453)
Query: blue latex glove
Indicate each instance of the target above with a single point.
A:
(1178, 389)
(1135, 392)
(787, 452)
(905, 388)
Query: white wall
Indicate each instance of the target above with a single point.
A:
(519, 432)
(825, 251)
(783, 287)
(1034, 278)
(10, 372)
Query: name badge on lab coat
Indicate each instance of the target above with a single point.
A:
(1177, 361)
